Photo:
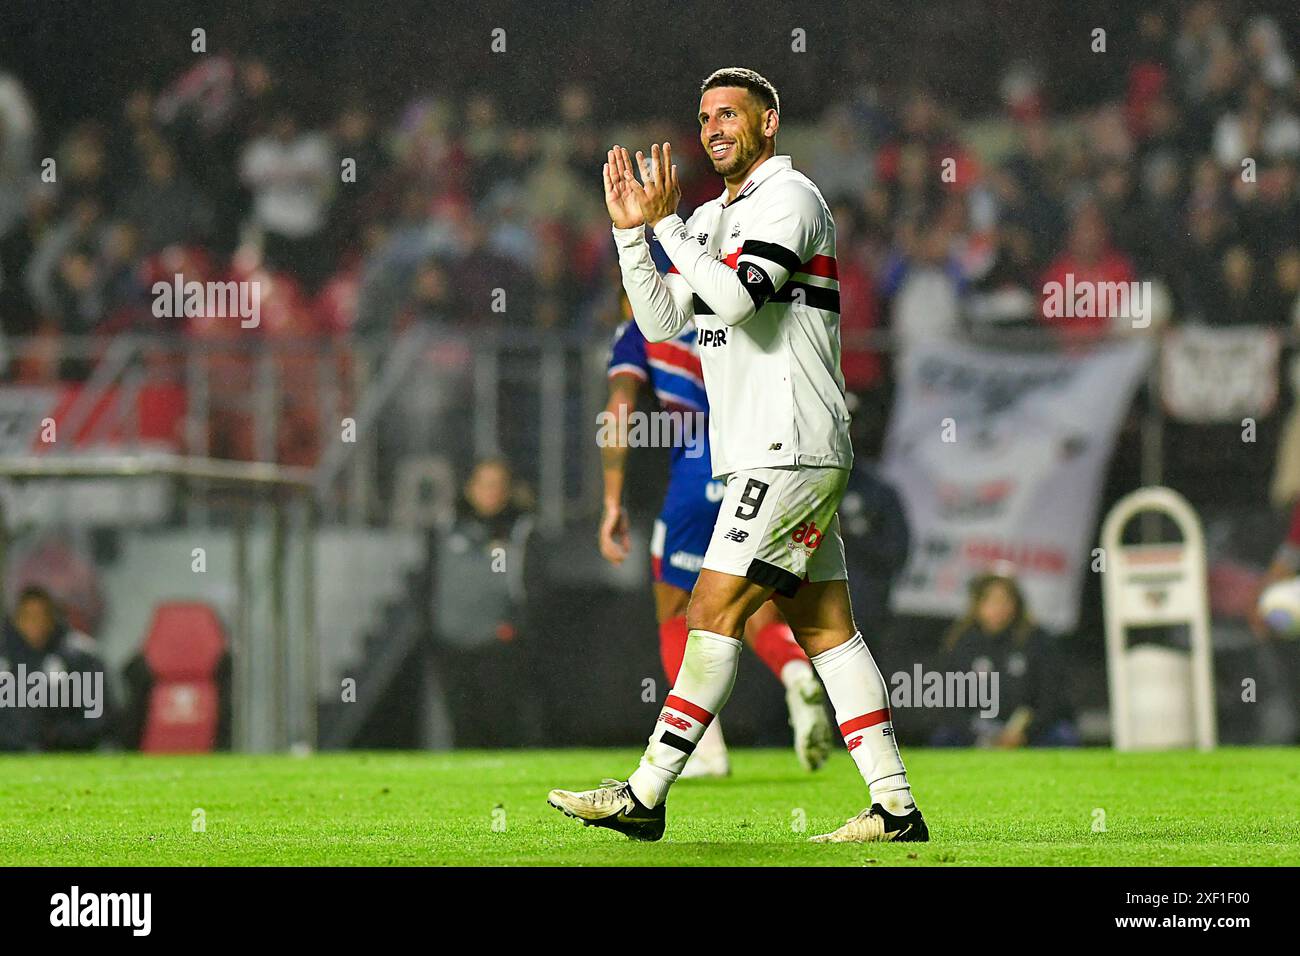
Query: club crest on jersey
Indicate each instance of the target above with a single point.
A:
(752, 275)
(711, 337)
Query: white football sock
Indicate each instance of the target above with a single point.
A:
(861, 701)
(703, 686)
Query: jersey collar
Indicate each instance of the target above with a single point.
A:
(772, 164)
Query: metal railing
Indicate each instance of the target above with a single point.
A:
(528, 394)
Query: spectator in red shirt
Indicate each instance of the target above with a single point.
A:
(1088, 257)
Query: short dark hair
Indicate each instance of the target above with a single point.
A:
(755, 83)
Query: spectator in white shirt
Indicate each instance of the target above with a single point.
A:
(291, 174)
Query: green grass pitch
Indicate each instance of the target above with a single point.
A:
(1232, 807)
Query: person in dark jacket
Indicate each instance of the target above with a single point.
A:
(480, 613)
(876, 536)
(998, 635)
(53, 694)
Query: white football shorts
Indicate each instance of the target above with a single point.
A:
(778, 527)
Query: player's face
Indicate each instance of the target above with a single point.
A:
(731, 128)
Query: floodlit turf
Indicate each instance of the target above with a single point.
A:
(1233, 807)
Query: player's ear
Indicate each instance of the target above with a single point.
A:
(771, 122)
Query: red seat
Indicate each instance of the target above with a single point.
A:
(184, 645)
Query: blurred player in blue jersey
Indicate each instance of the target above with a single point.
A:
(682, 531)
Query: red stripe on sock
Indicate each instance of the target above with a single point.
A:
(687, 708)
(863, 722)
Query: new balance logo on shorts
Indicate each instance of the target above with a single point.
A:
(736, 535)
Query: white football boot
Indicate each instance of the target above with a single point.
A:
(877, 825)
(806, 701)
(612, 805)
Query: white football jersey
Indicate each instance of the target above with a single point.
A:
(758, 276)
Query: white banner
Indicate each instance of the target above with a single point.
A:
(1219, 375)
(30, 424)
(1000, 457)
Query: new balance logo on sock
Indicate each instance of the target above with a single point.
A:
(672, 720)
(676, 720)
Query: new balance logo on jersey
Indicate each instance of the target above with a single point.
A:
(711, 337)
(702, 238)
(736, 535)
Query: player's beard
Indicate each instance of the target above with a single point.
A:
(742, 154)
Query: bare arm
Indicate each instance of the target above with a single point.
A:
(614, 539)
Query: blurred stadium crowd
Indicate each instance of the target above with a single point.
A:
(218, 173)
(363, 214)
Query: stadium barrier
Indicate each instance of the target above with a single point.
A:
(286, 701)
(1160, 697)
